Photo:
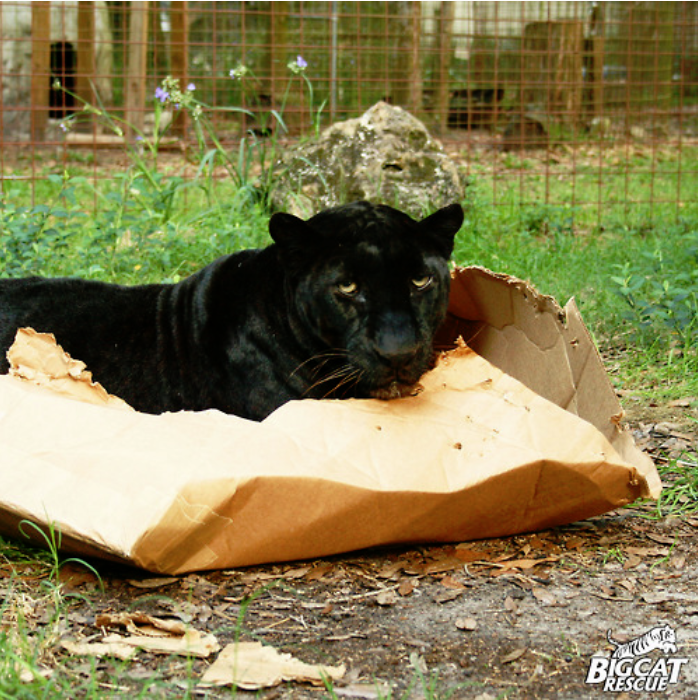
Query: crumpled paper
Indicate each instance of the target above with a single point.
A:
(517, 430)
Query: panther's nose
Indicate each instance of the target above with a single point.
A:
(396, 345)
(396, 357)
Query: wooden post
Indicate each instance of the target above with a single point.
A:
(277, 56)
(650, 57)
(41, 68)
(406, 89)
(552, 67)
(136, 71)
(598, 37)
(86, 55)
(179, 52)
(416, 82)
(443, 91)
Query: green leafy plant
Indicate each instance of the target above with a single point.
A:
(250, 165)
(660, 289)
(260, 146)
(680, 493)
(52, 537)
(660, 301)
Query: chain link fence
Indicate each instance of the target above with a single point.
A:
(548, 104)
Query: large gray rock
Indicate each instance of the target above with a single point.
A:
(386, 155)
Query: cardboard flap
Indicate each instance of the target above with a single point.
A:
(529, 336)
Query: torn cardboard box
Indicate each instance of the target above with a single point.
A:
(516, 431)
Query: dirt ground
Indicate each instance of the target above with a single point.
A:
(518, 617)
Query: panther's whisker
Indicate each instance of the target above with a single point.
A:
(351, 379)
(346, 374)
(347, 378)
(337, 374)
(322, 358)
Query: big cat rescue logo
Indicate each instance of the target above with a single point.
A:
(632, 666)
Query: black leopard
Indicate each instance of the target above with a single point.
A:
(344, 304)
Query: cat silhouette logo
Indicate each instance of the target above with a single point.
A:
(632, 667)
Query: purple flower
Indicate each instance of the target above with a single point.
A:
(191, 87)
(162, 94)
(298, 66)
(239, 72)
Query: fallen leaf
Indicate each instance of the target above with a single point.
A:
(363, 691)
(467, 624)
(648, 551)
(391, 570)
(612, 597)
(450, 582)
(662, 597)
(632, 561)
(628, 585)
(100, 649)
(140, 623)
(319, 571)
(251, 665)
(31, 675)
(344, 637)
(527, 563)
(414, 568)
(682, 403)
(159, 582)
(386, 597)
(440, 566)
(73, 575)
(467, 554)
(405, 588)
(544, 595)
(606, 590)
(193, 643)
(157, 634)
(661, 539)
(514, 655)
(253, 578)
(678, 561)
(445, 595)
(510, 605)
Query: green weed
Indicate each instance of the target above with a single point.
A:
(660, 288)
(680, 497)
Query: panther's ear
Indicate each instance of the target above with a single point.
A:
(442, 227)
(288, 231)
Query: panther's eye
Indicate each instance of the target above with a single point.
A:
(348, 289)
(421, 283)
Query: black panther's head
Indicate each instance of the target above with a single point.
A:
(370, 286)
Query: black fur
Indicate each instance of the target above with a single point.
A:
(338, 306)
